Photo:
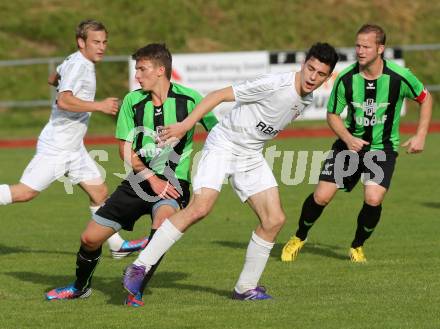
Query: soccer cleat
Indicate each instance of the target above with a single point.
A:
(291, 249)
(129, 247)
(134, 300)
(357, 255)
(68, 292)
(258, 293)
(133, 277)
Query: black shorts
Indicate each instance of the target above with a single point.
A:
(345, 168)
(128, 203)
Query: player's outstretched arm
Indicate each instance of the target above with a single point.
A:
(337, 125)
(207, 104)
(416, 143)
(68, 102)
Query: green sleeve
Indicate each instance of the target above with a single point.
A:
(125, 123)
(337, 101)
(209, 121)
(413, 87)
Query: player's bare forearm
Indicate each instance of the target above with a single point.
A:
(132, 159)
(68, 102)
(337, 125)
(425, 116)
(53, 79)
(161, 187)
(177, 131)
(416, 143)
(208, 104)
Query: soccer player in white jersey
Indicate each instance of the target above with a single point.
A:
(60, 147)
(233, 149)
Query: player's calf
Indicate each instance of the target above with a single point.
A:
(22, 193)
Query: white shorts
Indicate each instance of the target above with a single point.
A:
(248, 175)
(49, 166)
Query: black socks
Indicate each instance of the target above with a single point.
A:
(367, 220)
(309, 214)
(86, 262)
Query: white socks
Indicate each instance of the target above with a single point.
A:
(164, 238)
(5, 195)
(115, 242)
(256, 258)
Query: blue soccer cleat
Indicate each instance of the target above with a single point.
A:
(129, 247)
(134, 300)
(68, 292)
(133, 277)
(258, 293)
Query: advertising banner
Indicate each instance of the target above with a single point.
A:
(206, 72)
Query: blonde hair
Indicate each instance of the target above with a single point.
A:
(89, 25)
(380, 33)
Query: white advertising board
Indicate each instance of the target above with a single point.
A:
(206, 72)
(211, 71)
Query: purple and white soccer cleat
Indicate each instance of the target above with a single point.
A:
(133, 277)
(258, 293)
(129, 247)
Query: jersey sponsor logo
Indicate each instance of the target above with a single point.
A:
(266, 129)
(157, 111)
(362, 121)
(370, 107)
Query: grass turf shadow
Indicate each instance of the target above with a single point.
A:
(320, 249)
(112, 287)
(6, 250)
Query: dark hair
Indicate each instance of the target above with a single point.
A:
(323, 52)
(380, 33)
(157, 53)
(88, 25)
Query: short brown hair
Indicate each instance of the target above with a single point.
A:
(380, 33)
(89, 25)
(157, 53)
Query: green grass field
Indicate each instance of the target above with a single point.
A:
(397, 288)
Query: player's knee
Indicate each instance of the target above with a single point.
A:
(279, 221)
(373, 200)
(322, 199)
(89, 242)
(275, 222)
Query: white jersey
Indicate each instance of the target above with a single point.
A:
(65, 130)
(264, 106)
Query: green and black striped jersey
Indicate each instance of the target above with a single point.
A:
(138, 119)
(373, 106)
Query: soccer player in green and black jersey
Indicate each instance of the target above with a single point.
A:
(373, 90)
(158, 184)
